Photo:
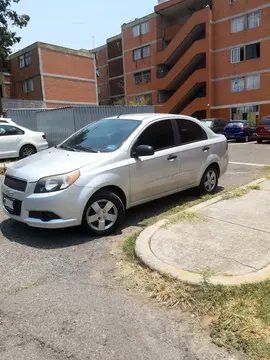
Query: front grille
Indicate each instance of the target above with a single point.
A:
(17, 208)
(16, 184)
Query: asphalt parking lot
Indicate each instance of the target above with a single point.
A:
(61, 298)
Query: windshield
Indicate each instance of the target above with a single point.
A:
(207, 123)
(265, 121)
(105, 135)
(237, 123)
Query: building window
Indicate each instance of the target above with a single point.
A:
(144, 99)
(98, 89)
(96, 56)
(238, 84)
(21, 62)
(253, 82)
(237, 54)
(97, 72)
(254, 20)
(138, 78)
(144, 76)
(136, 31)
(27, 58)
(146, 51)
(233, 1)
(28, 86)
(140, 29)
(141, 53)
(253, 51)
(145, 27)
(137, 54)
(238, 24)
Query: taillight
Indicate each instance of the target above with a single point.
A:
(44, 136)
(244, 128)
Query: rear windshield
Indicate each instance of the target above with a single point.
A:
(233, 123)
(207, 123)
(265, 121)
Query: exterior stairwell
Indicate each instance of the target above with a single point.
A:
(184, 63)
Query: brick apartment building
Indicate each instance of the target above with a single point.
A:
(196, 57)
(55, 75)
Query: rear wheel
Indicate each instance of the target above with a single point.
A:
(103, 213)
(209, 181)
(27, 150)
(259, 141)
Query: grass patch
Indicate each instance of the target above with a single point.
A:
(177, 209)
(240, 192)
(2, 170)
(238, 316)
(185, 216)
(265, 169)
(129, 245)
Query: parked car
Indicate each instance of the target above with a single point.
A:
(240, 130)
(6, 121)
(215, 124)
(263, 129)
(16, 141)
(110, 166)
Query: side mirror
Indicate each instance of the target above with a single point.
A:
(143, 150)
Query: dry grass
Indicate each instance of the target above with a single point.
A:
(265, 169)
(239, 316)
(2, 170)
(239, 192)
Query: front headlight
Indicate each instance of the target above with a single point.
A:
(57, 182)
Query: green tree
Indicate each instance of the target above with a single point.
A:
(9, 19)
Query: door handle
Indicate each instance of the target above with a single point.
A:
(172, 157)
(206, 148)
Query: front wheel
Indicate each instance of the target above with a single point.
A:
(259, 141)
(103, 213)
(27, 150)
(209, 181)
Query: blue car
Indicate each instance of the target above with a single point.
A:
(242, 130)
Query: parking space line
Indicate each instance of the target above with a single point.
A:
(247, 164)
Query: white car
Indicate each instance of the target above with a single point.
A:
(110, 166)
(16, 141)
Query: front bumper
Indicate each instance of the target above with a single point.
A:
(67, 204)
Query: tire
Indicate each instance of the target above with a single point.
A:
(210, 172)
(259, 141)
(105, 223)
(27, 150)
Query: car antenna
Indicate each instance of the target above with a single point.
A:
(119, 115)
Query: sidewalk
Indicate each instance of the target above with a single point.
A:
(227, 242)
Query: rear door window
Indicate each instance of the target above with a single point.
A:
(190, 132)
(10, 130)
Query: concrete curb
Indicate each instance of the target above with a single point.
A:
(144, 253)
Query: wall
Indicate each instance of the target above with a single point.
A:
(21, 74)
(58, 124)
(103, 78)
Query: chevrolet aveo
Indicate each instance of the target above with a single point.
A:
(110, 166)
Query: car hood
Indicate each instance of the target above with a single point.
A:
(51, 162)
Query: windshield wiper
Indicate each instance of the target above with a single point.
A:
(85, 148)
(66, 147)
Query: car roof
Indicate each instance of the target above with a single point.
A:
(148, 117)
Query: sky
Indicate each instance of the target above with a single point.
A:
(77, 24)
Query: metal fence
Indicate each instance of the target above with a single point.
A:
(58, 124)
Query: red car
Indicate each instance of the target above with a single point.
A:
(263, 129)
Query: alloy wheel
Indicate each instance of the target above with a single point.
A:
(102, 215)
(28, 151)
(210, 181)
